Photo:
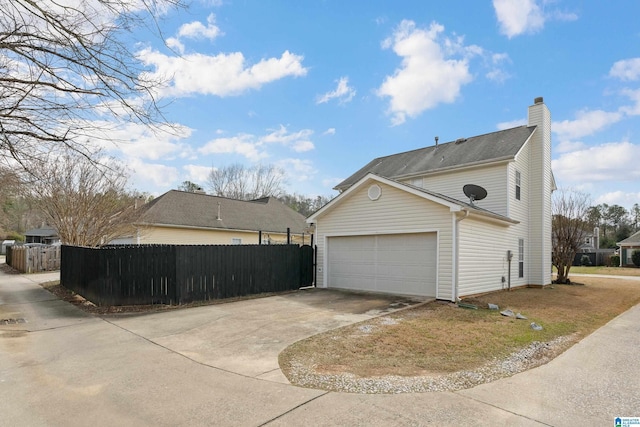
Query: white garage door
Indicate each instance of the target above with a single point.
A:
(392, 263)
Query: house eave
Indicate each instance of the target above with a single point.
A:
(493, 218)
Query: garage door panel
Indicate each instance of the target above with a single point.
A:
(394, 263)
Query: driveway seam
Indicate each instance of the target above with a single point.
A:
(502, 409)
(293, 409)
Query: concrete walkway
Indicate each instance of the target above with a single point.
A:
(606, 276)
(63, 367)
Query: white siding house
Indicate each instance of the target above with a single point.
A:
(402, 223)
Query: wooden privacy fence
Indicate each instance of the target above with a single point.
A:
(34, 259)
(179, 274)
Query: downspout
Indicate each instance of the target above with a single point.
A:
(456, 248)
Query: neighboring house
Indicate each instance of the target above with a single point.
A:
(627, 247)
(179, 217)
(591, 241)
(590, 247)
(45, 235)
(402, 224)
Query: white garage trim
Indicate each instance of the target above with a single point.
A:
(421, 273)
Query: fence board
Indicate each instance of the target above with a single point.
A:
(34, 259)
(179, 274)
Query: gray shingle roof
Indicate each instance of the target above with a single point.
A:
(490, 147)
(634, 239)
(42, 232)
(180, 208)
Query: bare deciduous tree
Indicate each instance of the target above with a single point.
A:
(9, 188)
(569, 228)
(190, 187)
(84, 199)
(238, 182)
(65, 67)
(303, 204)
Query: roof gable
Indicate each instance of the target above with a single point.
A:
(186, 209)
(454, 205)
(634, 239)
(492, 147)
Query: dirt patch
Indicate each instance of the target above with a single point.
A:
(7, 269)
(123, 310)
(442, 340)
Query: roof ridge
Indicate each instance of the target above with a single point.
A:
(451, 142)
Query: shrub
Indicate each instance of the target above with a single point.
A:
(585, 261)
(635, 257)
(15, 236)
(614, 260)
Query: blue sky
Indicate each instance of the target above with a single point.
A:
(320, 88)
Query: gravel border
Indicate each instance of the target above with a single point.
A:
(536, 354)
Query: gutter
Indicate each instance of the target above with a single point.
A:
(456, 255)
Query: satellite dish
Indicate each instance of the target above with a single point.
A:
(474, 192)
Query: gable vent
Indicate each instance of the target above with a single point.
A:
(374, 192)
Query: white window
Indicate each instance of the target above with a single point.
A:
(236, 241)
(518, 182)
(520, 257)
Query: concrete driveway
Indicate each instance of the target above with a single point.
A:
(245, 337)
(217, 365)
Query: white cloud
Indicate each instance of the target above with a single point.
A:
(634, 95)
(297, 170)
(496, 71)
(626, 70)
(255, 147)
(567, 146)
(175, 44)
(586, 123)
(599, 163)
(518, 16)
(242, 144)
(620, 198)
(302, 146)
(330, 131)
(343, 92)
(511, 124)
(298, 141)
(128, 139)
(226, 74)
(558, 15)
(197, 30)
(140, 142)
(151, 174)
(196, 173)
(427, 76)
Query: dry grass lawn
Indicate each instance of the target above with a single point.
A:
(440, 338)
